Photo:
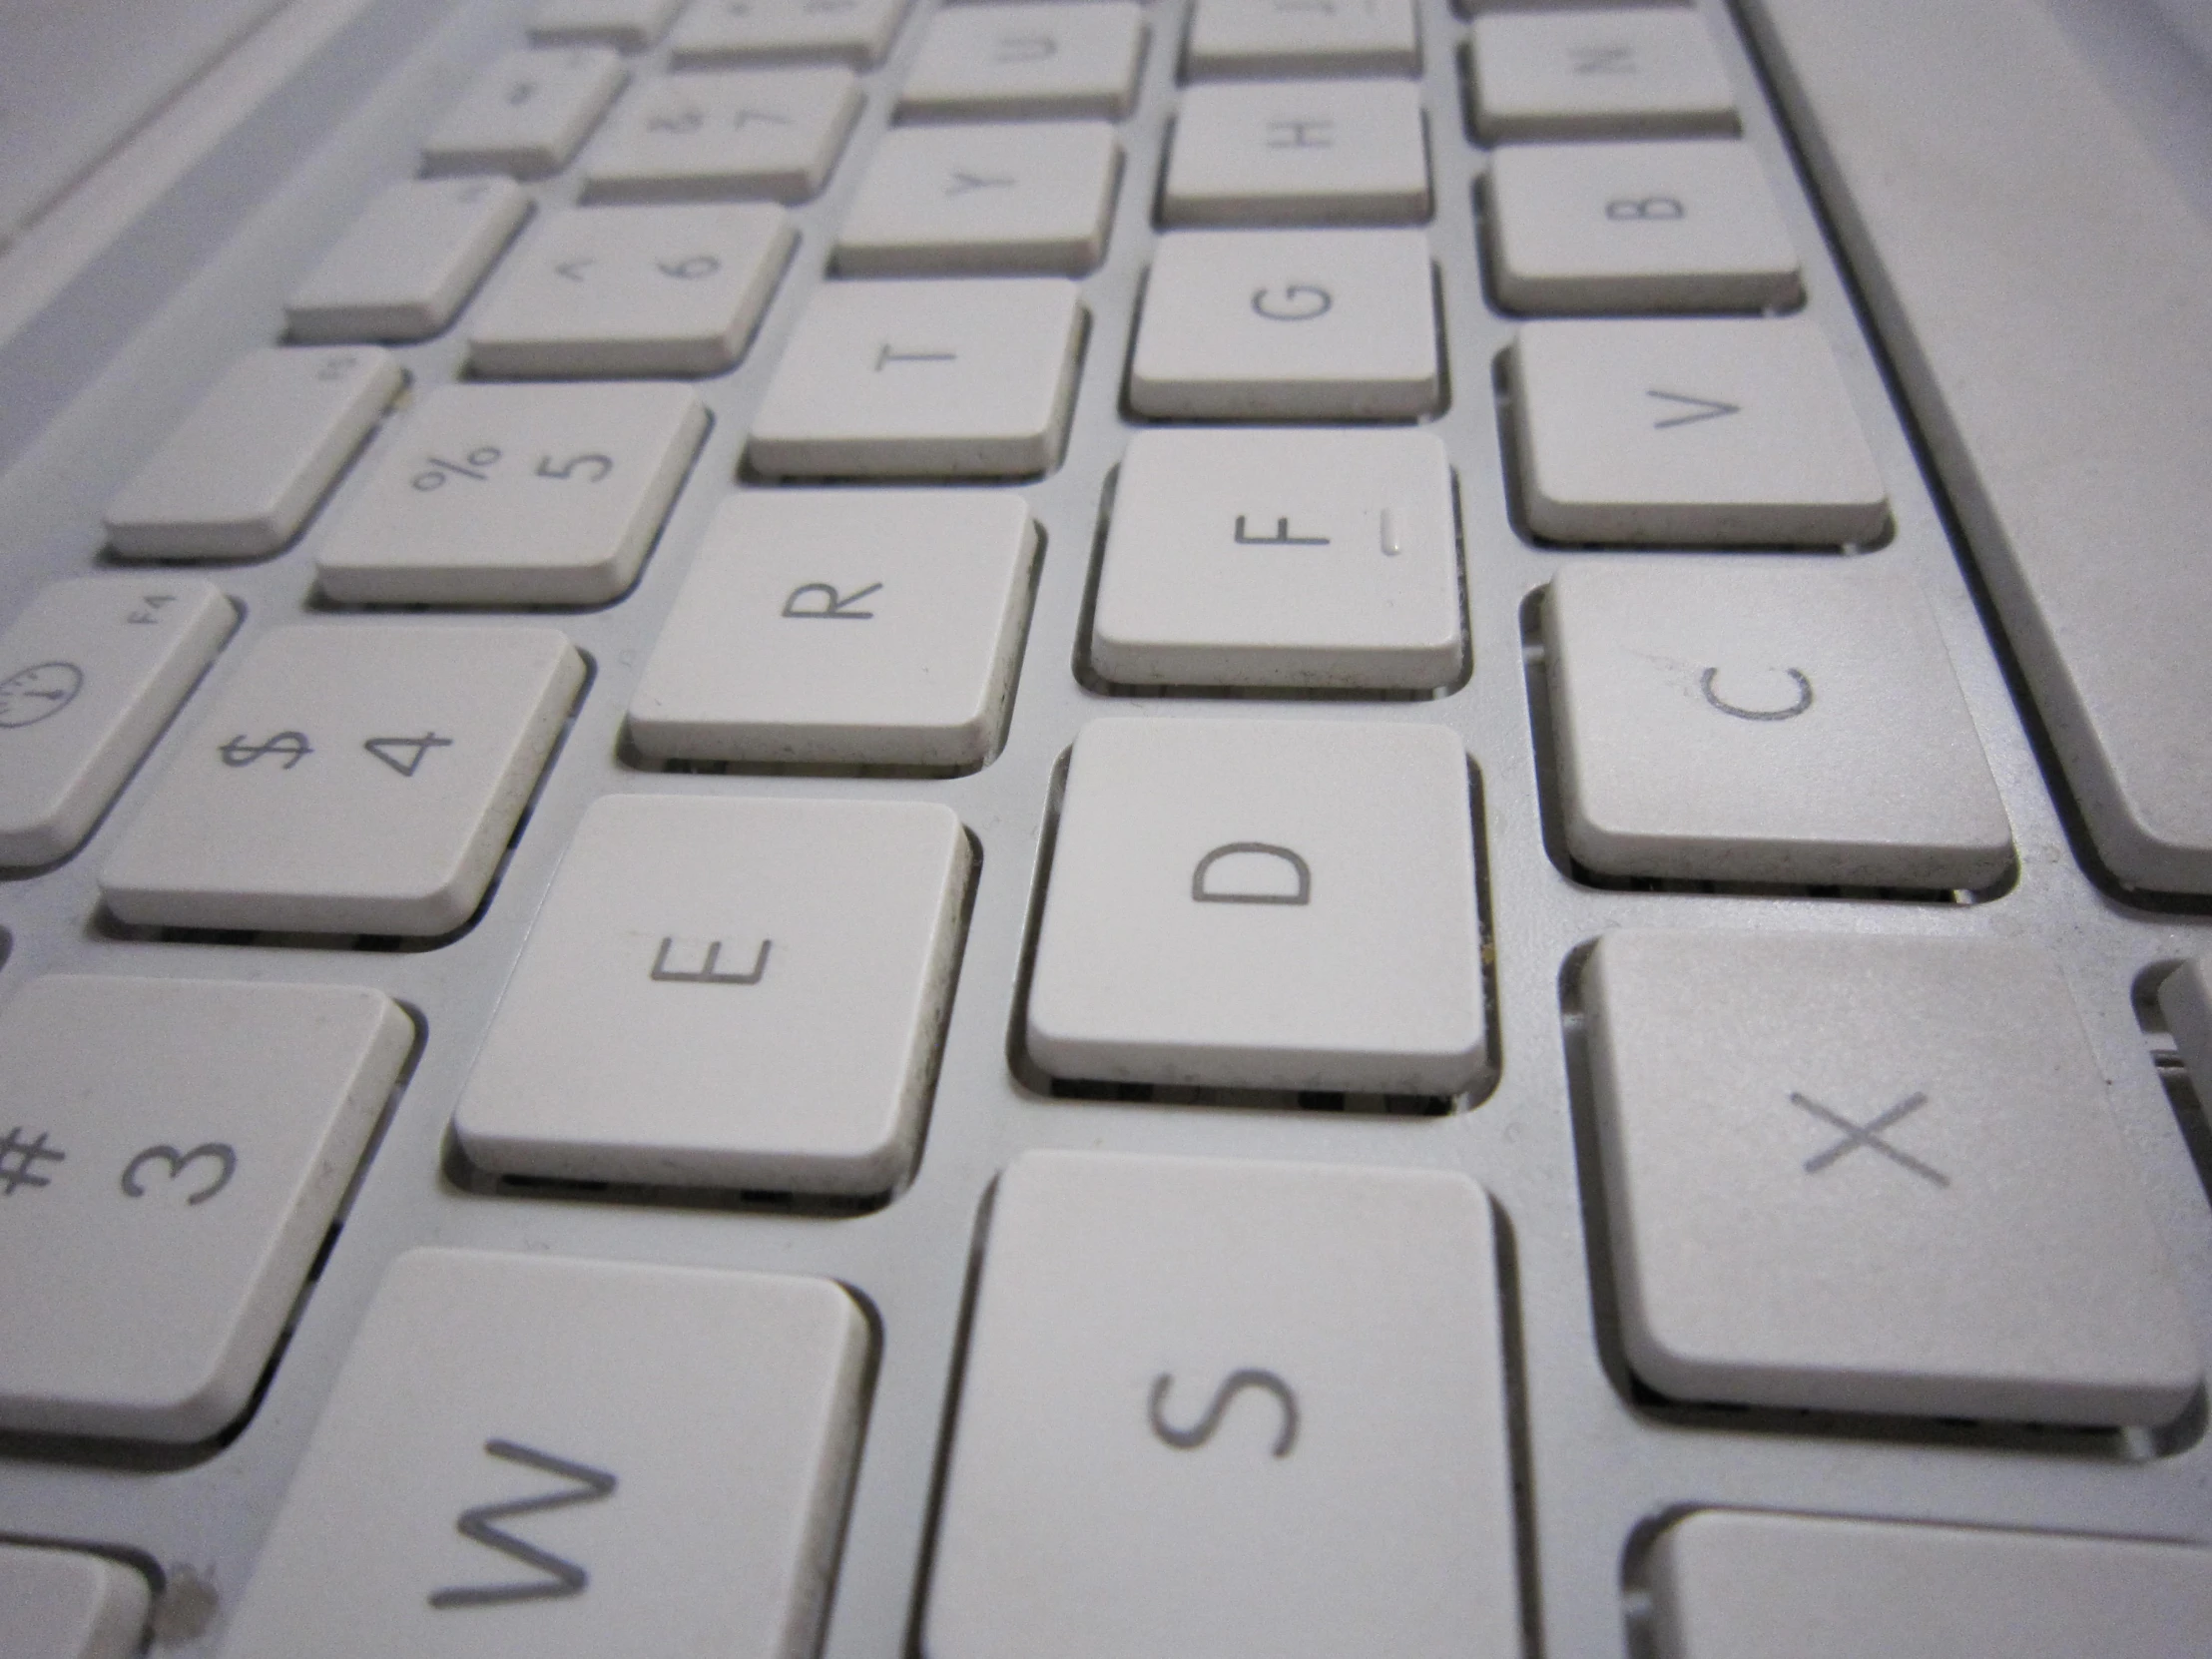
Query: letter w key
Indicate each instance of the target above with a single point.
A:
(480, 1526)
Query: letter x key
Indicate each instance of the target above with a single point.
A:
(1869, 1136)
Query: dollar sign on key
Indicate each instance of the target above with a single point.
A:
(292, 745)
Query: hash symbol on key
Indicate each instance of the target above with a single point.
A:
(18, 1174)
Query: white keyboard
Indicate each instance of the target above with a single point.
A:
(858, 828)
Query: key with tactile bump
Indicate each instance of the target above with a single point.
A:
(170, 1153)
(348, 779)
(1276, 39)
(1281, 558)
(1251, 1409)
(570, 1459)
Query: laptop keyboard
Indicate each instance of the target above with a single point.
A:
(854, 828)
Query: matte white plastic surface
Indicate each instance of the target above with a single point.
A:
(1716, 431)
(748, 134)
(1262, 904)
(626, 25)
(2186, 999)
(880, 379)
(89, 676)
(66, 1604)
(877, 629)
(1282, 559)
(1759, 720)
(1732, 1584)
(515, 495)
(1026, 60)
(1267, 39)
(1305, 325)
(404, 269)
(534, 1456)
(1604, 72)
(983, 198)
(2046, 280)
(348, 779)
(1299, 153)
(1865, 1174)
(254, 457)
(632, 290)
(1685, 224)
(1251, 1409)
(728, 993)
(174, 1151)
(527, 114)
(719, 34)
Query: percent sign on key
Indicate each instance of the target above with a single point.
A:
(434, 475)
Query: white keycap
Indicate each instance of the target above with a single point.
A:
(515, 495)
(1721, 431)
(1281, 559)
(1225, 908)
(843, 626)
(966, 379)
(66, 1604)
(728, 993)
(718, 33)
(1683, 226)
(254, 458)
(1032, 60)
(1927, 1208)
(1760, 721)
(405, 268)
(1636, 72)
(983, 200)
(1729, 1584)
(626, 25)
(1255, 1411)
(749, 135)
(2186, 999)
(571, 1460)
(527, 114)
(1266, 39)
(348, 779)
(89, 676)
(632, 290)
(1299, 153)
(170, 1153)
(1288, 325)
